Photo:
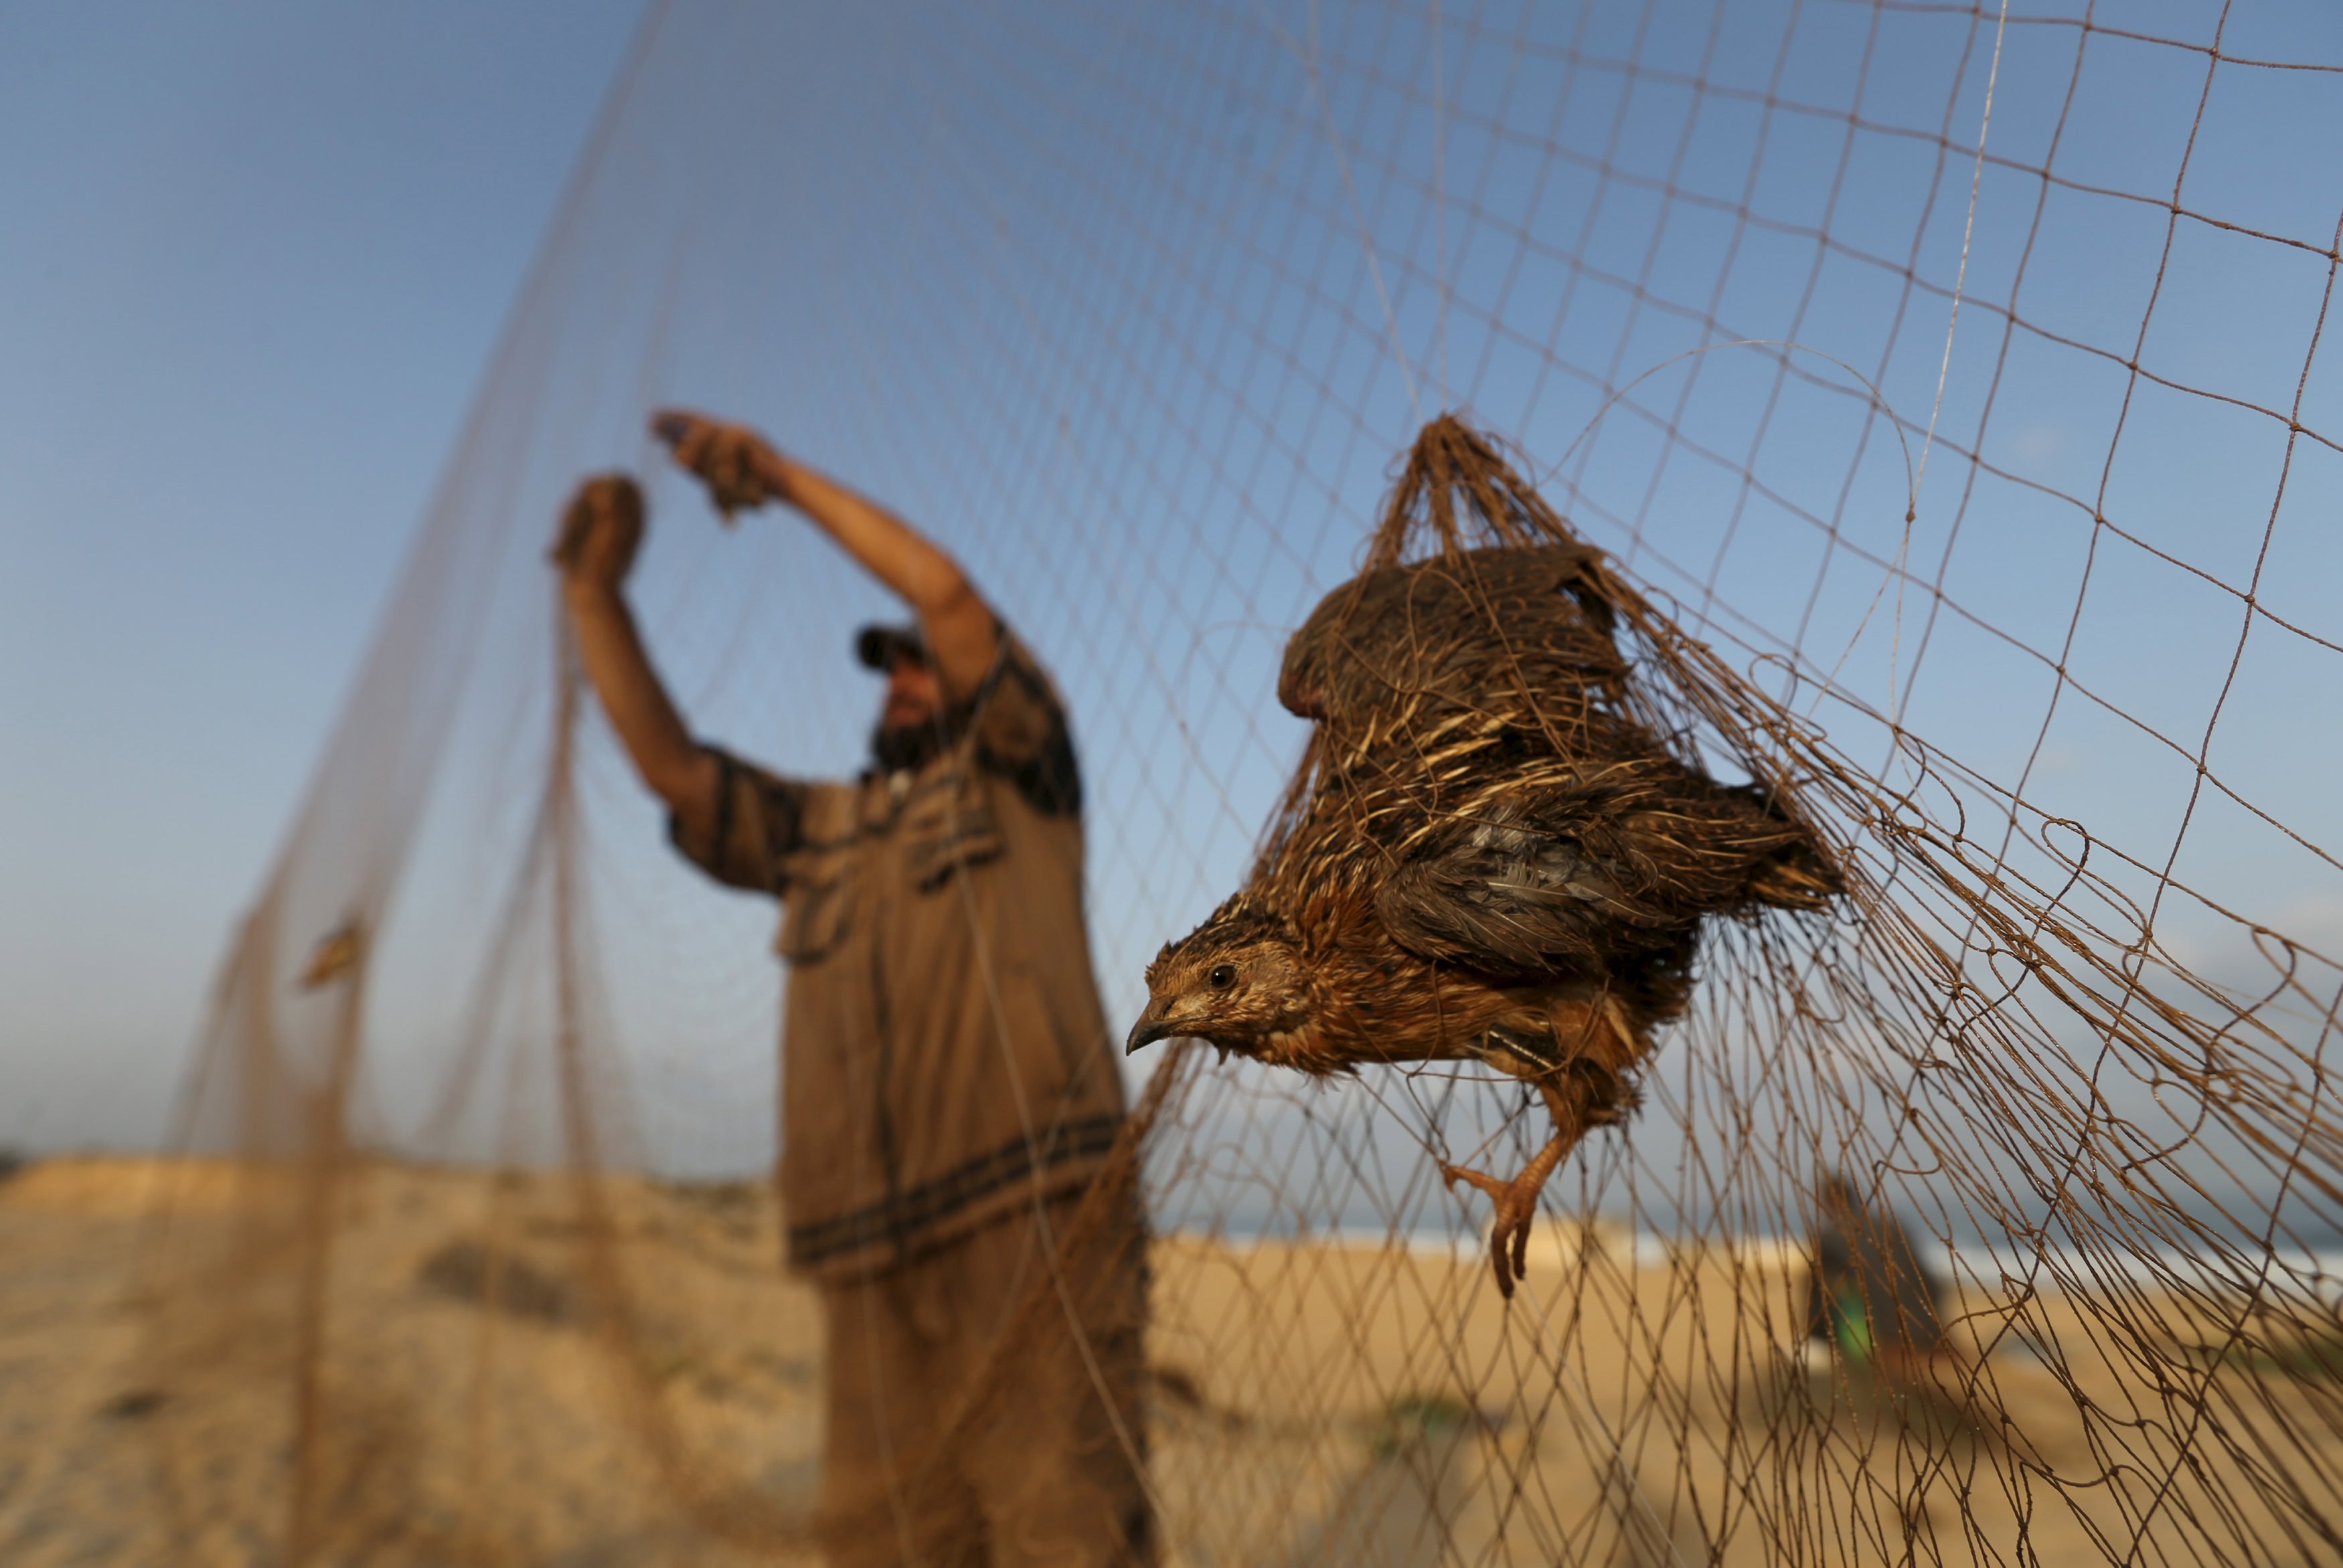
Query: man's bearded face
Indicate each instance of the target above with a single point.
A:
(915, 696)
(910, 730)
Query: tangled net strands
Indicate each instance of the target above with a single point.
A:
(1919, 987)
(1150, 302)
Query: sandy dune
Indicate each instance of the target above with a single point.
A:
(1315, 1403)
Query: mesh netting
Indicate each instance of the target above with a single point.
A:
(1943, 387)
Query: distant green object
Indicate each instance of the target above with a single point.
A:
(1412, 1420)
(1850, 1324)
(1868, 1290)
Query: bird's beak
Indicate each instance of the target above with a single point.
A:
(1151, 1027)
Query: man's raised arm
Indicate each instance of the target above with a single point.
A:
(741, 468)
(601, 533)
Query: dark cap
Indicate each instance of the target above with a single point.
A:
(879, 647)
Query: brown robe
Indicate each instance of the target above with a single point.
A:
(945, 1061)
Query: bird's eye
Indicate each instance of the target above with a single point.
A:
(1223, 977)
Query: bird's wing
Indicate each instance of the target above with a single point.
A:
(1500, 896)
(1581, 866)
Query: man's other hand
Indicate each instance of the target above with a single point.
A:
(738, 466)
(601, 529)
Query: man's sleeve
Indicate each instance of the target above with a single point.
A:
(1021, 731)
(759, 819)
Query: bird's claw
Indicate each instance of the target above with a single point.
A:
(1509, 1235)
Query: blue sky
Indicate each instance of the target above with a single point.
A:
(256, 254)
(1134, 307)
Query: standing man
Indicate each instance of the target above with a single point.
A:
(948, 1085)
(1867, 1291)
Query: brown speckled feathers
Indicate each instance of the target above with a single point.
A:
(1494, 847)
(1475, 738)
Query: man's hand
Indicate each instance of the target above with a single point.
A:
(741, 470)
(601, 529)
(740, 467)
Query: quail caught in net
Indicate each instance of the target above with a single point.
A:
(1488, 854)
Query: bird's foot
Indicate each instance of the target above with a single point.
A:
(1516, 1210)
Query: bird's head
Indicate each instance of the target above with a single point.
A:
(1235, 981)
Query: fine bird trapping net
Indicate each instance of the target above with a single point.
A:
(1945, 391)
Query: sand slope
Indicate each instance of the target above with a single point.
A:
(1315, 1403)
